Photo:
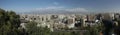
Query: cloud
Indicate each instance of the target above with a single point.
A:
(57, 10)
(50, 8)
(77, 10)
(115, 11)
(56, 3)
(63, 8)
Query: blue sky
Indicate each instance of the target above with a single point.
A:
(68, 5)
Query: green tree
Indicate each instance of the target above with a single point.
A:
(33, 29)
(9, 23)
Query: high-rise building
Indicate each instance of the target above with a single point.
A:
(107, 16)
(91, 18)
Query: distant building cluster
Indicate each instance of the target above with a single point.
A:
(62, 21)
